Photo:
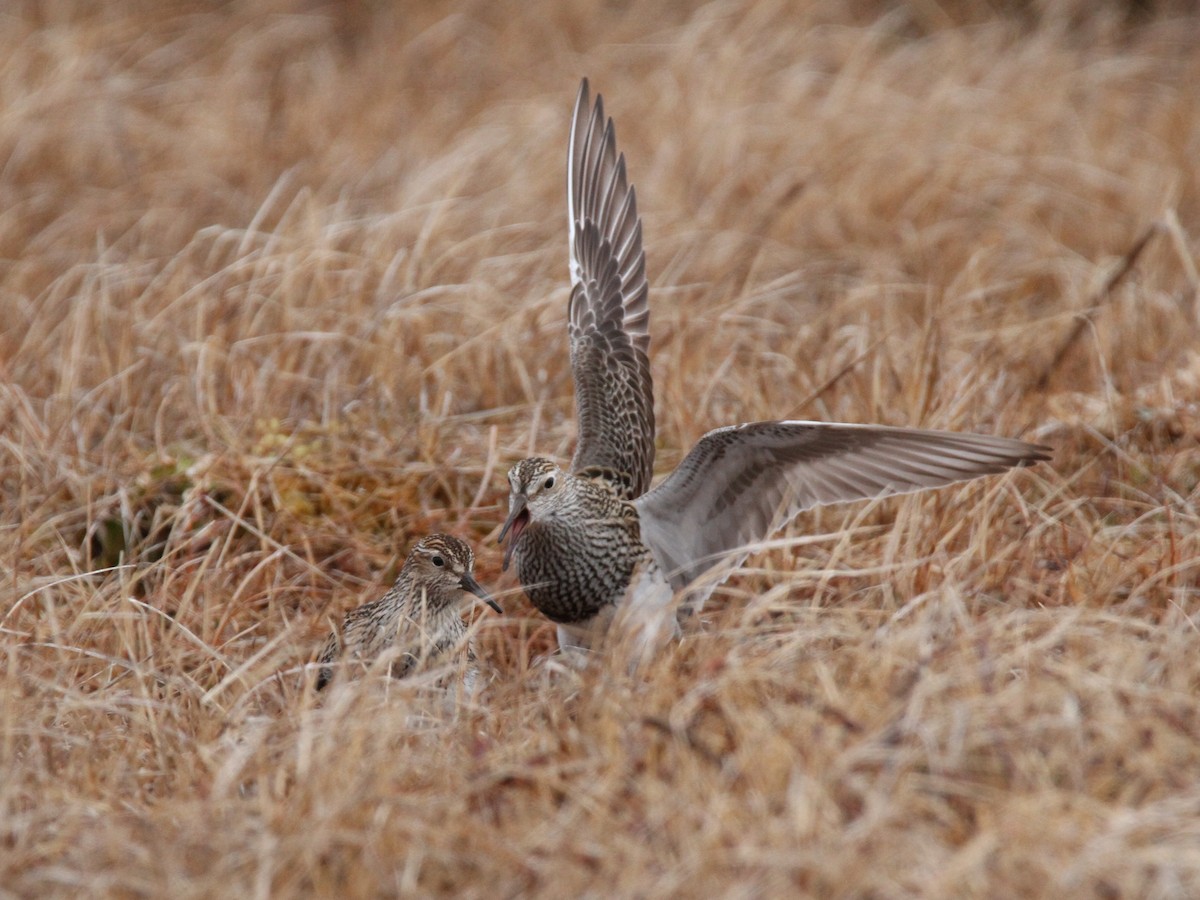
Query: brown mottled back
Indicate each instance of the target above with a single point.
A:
(420, 614)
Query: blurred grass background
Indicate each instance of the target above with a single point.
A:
(283, 287)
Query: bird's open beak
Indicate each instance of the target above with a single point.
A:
(468, 583)
(518, 518)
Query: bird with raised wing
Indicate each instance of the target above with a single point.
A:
(418, 618)
(593, 541)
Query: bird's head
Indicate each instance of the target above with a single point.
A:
(535, 488)
(443, 567)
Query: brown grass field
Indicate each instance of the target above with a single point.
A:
(283, 288)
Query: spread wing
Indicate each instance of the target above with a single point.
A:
(609, 314)
(738, 484)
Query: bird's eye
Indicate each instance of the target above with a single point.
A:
(548, 483)
(438, 561)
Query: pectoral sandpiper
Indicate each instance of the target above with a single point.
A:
(590, 541)
(419, 616)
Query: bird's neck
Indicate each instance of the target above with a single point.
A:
(620, 483)
(423, 601)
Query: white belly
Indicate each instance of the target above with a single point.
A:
(642, 623)
(648, 615)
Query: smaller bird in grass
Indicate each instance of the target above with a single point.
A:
(419, 616)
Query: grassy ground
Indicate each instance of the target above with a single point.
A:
(283, 288)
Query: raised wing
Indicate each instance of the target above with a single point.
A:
(609, 313)
(739, 484)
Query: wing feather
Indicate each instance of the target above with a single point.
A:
(738, 484)
(609, 312)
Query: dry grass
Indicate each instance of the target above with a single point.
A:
(283, 288)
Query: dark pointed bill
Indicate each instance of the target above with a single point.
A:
(468, 583)
(518, 518)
